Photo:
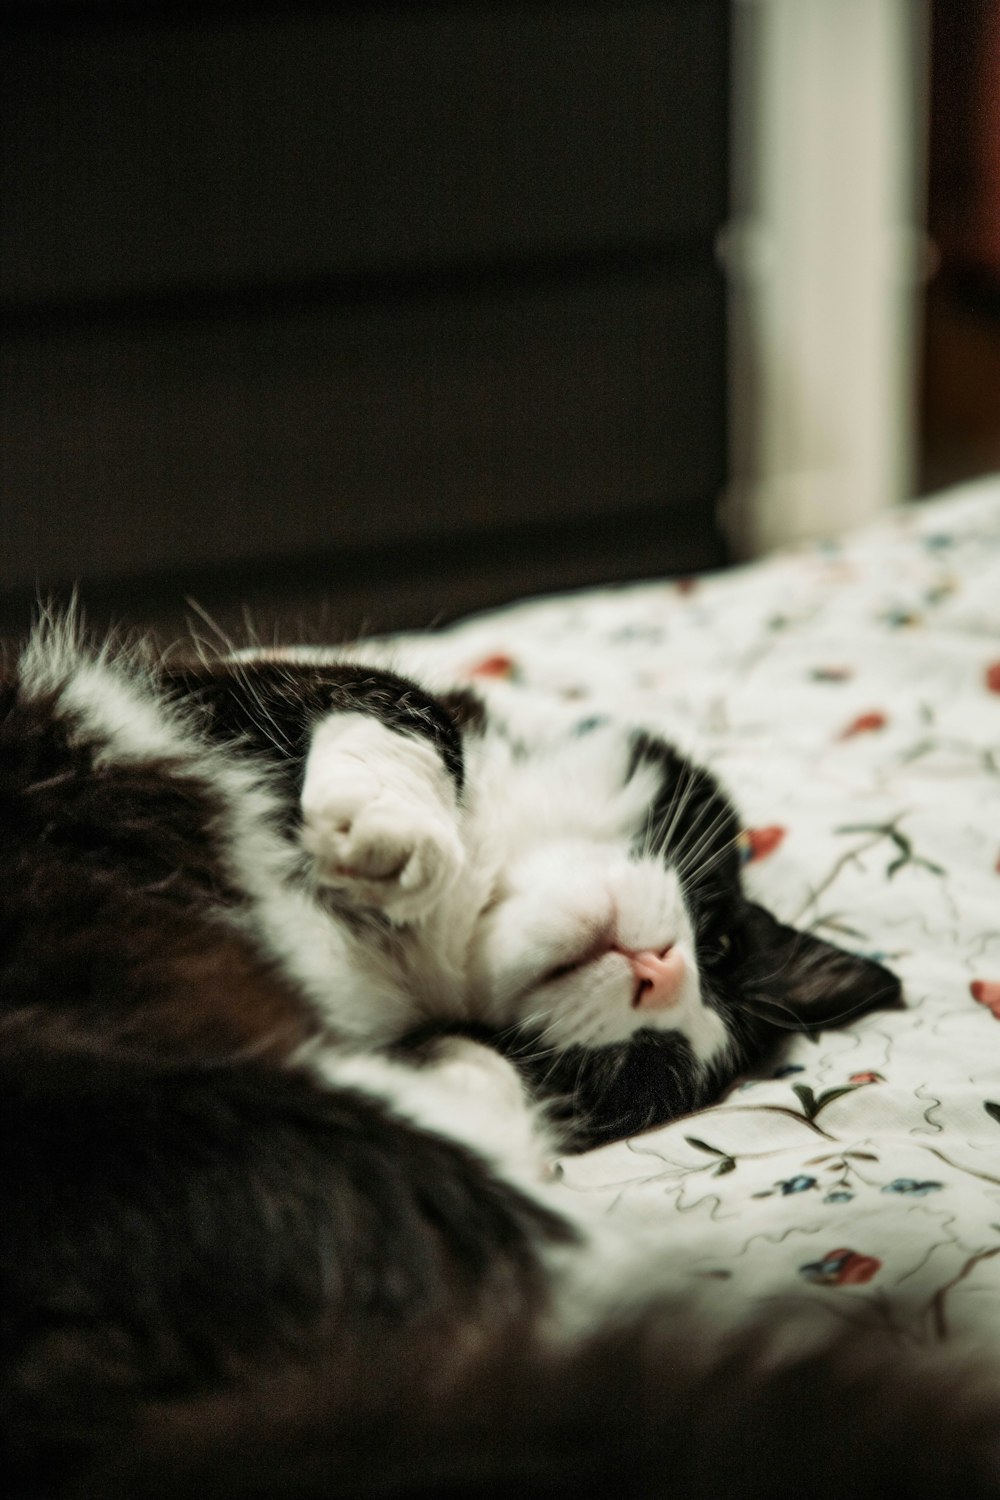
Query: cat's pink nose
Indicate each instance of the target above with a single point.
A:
(659, 977)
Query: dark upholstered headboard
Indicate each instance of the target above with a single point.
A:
(418, 299)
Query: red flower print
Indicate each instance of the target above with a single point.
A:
(856, 1269)
(866, 1078)
(757, 843)
(494, 666)
(841, 1268)
(987, 992)
(864, 724)
(993, 677)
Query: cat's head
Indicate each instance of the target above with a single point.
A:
(634, 979)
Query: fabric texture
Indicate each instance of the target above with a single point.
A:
(848, 696)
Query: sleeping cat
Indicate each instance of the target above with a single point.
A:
(267, 1227)
(568, 891)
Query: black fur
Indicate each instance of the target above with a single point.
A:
(167, 1229)
(642, 1411)
(120, 914)
(273, 706)
(182, 1208)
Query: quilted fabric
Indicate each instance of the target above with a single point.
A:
(848, 695)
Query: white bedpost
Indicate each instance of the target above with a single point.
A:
(824, 254)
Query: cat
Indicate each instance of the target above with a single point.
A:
(274, 1220)
(567, 891)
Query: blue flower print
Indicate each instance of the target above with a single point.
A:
(796, 1185)
(911, 1187)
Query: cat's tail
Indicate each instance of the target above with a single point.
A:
(635, 1412)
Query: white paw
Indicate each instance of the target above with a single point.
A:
(378, 819)
(491, 1107)
(383, 852)
(469, 1067)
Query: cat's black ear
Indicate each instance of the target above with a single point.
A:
(806, 982)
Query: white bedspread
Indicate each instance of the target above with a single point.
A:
(848, 695)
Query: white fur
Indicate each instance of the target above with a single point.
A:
(112, 702)
(546, 877)
(468, 1093)
(570, 889)
(379, 817)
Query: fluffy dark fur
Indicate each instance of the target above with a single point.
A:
(183, 1208)
(634, 1413)
(220, 1277)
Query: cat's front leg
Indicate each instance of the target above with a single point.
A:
(380, 817)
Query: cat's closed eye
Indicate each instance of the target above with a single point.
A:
(600, 944)
(560, 971)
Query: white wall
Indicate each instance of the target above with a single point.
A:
(825, 256)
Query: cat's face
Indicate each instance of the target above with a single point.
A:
(586, 944)
(627, 972)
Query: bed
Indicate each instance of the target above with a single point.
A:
(848, 695)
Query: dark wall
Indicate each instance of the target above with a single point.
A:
(422, 295)
(960, 409)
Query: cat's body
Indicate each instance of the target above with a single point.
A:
(235, 1209)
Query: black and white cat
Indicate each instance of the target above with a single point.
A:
(567, 890)
(266, 1228)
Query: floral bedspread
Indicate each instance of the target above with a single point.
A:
(848, 695)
